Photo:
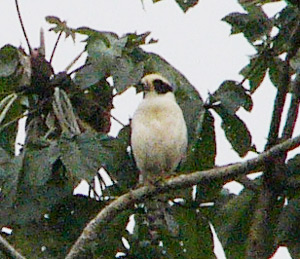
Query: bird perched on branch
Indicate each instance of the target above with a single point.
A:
(159, 133)
(159, 136)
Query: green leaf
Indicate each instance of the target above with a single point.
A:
(294, 165)
(295, 62)
(38, 164)
(231, 95)
(83, 155)
(288, 227)
(201, 156)
(256, 70)
(140, 245)
(254, 24)
(9, 60)
(194, 233)
(104, 50)
(202, 151)
(94, 34)
(93, 106)
(9, 114)
(294, 250)
(135, 40)
(8, 138)
(126, 73)
(293, 2)
(101, 53)
(109, 242)
(11, 69)
(276, 69)
(247, 3)
(10, 170)
(89, 75)
(32, 202)
(111, 55)
(193, 237)
(238, 21)
(4, 156)
(57, 230)
(61, 26)
(121, 163)
(232, 222)
(286, 22)
(53, 20)
(236, 131)
(183, 4)
(35, 201)
(186, 4)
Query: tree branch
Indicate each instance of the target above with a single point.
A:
(55, 46)
(73, 62)
(248, 184)
(284, 86)
(227, 173)
(22, 25)
(9, 250)
(262, 232)
(278, 106)
(293, 111)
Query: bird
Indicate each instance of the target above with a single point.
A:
(158, 130)
(158, 137)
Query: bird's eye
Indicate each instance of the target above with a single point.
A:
(161, 87)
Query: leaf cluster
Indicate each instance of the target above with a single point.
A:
(67, 121)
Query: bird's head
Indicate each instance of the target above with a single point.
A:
(156, 83)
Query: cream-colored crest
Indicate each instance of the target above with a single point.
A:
(147, 81)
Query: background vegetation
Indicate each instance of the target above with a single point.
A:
(68, 120)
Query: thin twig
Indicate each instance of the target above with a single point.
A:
(55, 46)
(9, 250)
(291, 117)
(96, 195)
(63, 110)
(251, 185)
(73, 62)
(284, 85)
(226, 173)
(278, 105)
(77, 69)
(113, 117)
(7, 107)
(17, 118)
(22, 25)
(6, 99)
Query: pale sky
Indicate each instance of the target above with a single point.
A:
(196, 43)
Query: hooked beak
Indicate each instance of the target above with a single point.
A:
(141, 87)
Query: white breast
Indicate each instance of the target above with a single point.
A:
(159, 135)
